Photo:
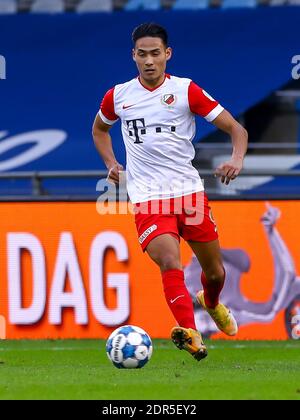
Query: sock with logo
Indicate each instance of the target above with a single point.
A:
(178, 298)
(212, 291)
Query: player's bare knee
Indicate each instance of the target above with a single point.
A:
(169, 262)
(165, 259)
(215, 276)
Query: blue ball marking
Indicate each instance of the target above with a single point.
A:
(143, 362)
(109, 345)
(126, 330)
(146, 340)
(118, 365)
(128, 351)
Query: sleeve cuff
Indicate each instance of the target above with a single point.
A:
(106, 120)
(214, 113)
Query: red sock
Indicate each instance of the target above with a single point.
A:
(212, 291)
(178, 298)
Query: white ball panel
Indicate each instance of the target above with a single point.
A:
(150, 351)
(141, 352)
(134, 339)
(138, 329)
(130, 363)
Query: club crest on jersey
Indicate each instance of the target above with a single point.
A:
(168, 99)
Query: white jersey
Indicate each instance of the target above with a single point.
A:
(158, 126)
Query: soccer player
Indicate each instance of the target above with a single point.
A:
(157, 112)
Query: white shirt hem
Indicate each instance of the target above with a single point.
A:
(176, 195)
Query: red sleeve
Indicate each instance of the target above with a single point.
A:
(107, 108)
(201, 103)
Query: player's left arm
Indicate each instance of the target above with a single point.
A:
(229, 170)
(201, 103)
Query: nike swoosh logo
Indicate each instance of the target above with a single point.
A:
(174, 300)
(127, 106)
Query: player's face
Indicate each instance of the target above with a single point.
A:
(151, 56)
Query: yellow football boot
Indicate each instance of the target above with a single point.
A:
(222, 316)
(189, 340)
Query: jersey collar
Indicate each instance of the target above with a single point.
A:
(167, 76)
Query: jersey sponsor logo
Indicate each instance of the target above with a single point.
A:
(134, 126)
(128, 106)
(147, 233)
(137, 128)
(168, 99)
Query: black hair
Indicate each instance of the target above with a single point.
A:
(150, 29)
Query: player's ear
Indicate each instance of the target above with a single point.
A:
(169, 53)
(133, 54)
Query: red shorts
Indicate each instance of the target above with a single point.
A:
(189, 217)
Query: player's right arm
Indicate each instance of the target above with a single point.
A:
(103, 122)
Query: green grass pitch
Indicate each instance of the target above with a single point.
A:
(72, 369)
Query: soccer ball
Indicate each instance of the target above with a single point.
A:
(129, 347)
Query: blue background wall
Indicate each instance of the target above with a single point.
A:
(59, 67)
